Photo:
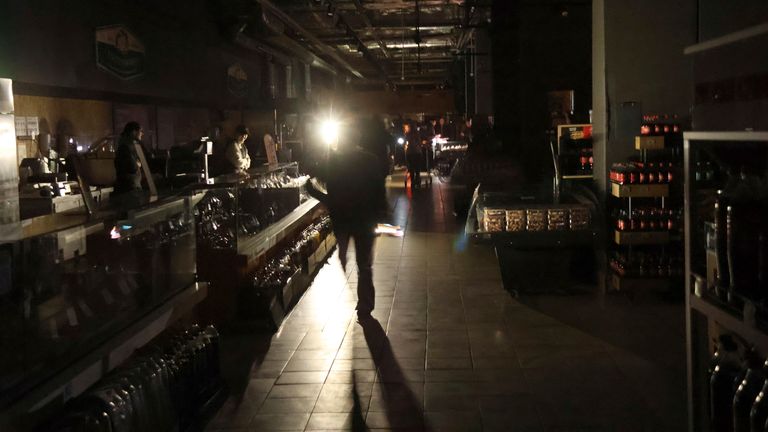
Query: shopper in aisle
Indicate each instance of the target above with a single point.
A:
(414, 157)
(237, 153)
(355, 198)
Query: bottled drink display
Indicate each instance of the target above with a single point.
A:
(161, 389)
(722, 384)
(642, 173)
(660, 125)
(747, 391)
(647, 263)
(647, 219)
(741, 238)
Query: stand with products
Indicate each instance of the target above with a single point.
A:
(726, 260)
(645, 229)
(532, 227)
(244, 223)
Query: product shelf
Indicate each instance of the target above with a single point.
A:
(641, 237)
(731, 320)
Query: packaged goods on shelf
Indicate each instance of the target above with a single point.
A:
(515, 220)
(557, 219)
(495, 219)
(536, 219)
(579, 218)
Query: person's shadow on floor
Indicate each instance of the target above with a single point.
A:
(403, 408)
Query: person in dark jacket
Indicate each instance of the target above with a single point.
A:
(127, 164)
(355, 198)
(414, 155)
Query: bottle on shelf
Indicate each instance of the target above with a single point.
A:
(725, 370)
(758, 415)
(646, 127)
(722, 279)
(747, 391)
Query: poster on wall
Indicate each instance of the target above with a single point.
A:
(119, 52)
(237, 80)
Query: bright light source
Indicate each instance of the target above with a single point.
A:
(401, 141)
(329, 132)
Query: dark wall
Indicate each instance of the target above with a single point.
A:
(539, 47)
(644, 70)
(50, 42)
(718, 17)
(732, 97)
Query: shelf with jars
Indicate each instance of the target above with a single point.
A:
(644, 222)
(726, 232)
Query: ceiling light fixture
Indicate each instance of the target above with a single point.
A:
(330, 9)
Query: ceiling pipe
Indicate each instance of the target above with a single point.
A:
(363, 14)
(266, 4)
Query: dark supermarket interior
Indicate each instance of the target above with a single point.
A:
(364, 215)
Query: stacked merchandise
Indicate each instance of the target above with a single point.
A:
(163, 388)
(563, 217)
(647, 263)
(276, 287)
(646, 222)
(215, 216)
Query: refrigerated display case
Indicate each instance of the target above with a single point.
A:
(75, 288)
(726, 253)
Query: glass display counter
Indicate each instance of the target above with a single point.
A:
(69, 283)
(235, 209)
(530, 218)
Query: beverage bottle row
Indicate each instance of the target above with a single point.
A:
(660, 125)
(642, 173)
(644, 264)
(738, 389)
(647, 219)
(586, 160)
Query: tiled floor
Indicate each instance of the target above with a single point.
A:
(449, 349)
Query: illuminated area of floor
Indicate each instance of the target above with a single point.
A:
(449, 349)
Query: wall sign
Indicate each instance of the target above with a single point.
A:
(237, 80)
(120, 52)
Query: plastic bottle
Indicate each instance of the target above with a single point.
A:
(725, 370)
(748, 389)
(758, 415)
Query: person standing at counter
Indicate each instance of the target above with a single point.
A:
(237, 153)
(356, 201)
(127, 163)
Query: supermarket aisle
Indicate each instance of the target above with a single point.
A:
(449, 349)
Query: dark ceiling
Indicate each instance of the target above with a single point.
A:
(375, 43)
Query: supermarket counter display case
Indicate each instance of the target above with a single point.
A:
(540, 238)
(530, 218)
(78, 294)
(241, 221)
